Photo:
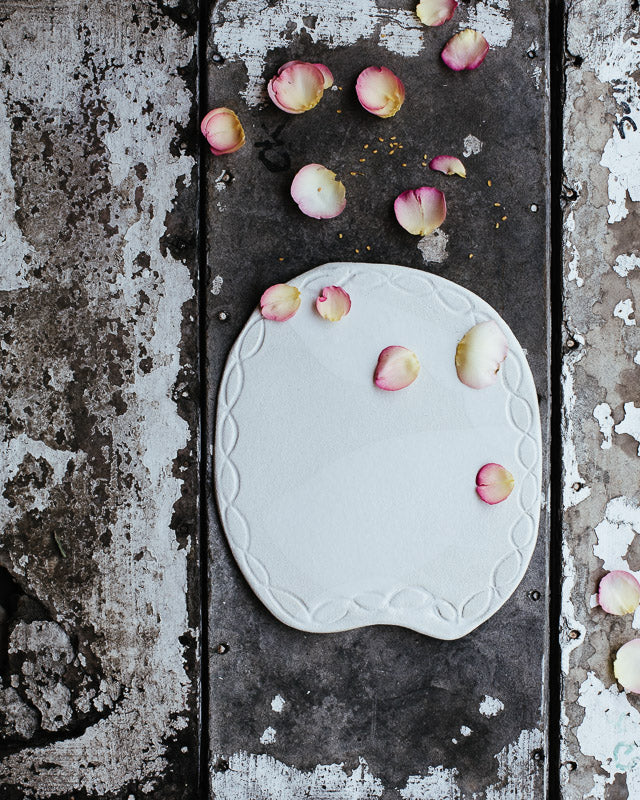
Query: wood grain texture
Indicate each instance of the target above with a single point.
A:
(99, 416)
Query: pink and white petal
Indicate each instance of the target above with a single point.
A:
(223, 131)
(626, 666)
(326, 74)
(435, 12)
(318, 192)
(465, 50)
(421, 211)
(333, 304)
(297, 87)
(449, 165)
(380, 91)
(280, 302)
(479, 355)
(397, 368)
(494, 483)
(619, 593)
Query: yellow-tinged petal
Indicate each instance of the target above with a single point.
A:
(223, 131)
(626, 666)
(619, 593)
(494, 483)
(380, 91)
(421, 211)
(479, 355)
(397, 368)
(333, 304)
(435, 12)
(280, 302)
(465, 50)
(298, 86)
(449, 165)
(318, 192)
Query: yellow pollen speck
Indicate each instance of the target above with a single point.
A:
(470, 255)
(281, 259)
(424, 163)
(353, 173)
(338, 111)
(357, 251)
(404, 165)
(361, 160)
(503, 218)
(391, 152)
(339, 88)
(401, 146)
(489, 183)
(368, 247)
(425, 156)
(365, 147)
(393, 137)
(339, 236)
(380, 139)
(497, 224)
(374, 151)
(497, 205)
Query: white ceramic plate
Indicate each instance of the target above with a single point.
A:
(346, 505)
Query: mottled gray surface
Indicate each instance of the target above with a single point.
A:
(387, 695)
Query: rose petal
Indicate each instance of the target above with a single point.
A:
(333, 303)
(450, 165)
(494, 483)
(421, 211)
(380, 91)
(298, 86)
(280, 302)
(626, 666)
(619, 593)
(397, 368)
(318, 193)
(223, 131)
(435, 12)
(479, 354)
(465, 50)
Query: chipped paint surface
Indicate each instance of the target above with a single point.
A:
(434, 247)
(471, 145)
(490, 706)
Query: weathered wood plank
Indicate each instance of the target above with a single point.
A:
(100, 399)
(601, 756)
(378, 711)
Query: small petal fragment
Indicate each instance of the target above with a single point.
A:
(298, 86)
(380, 91)
(318, 193)
(450, 165)
(435, 12)
(397, 368)
(619, 593)
(421, 211)
(223, 131)
(280, 302)
(494, 483)
(479, 355)
(465, 50)
(626, 666)
(333, 303)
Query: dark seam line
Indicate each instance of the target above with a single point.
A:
(557, 34)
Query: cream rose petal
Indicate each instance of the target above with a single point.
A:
(298, 86)
(450, 165)
(397, 368)
(380, 91)
(494, 483)
(280, 302)
(333, 303)
(619, 593)
(318, 193)
(435, 12)
(421, 211)
(479, 355)
(465, 50)
(223, 131)
(626, 666)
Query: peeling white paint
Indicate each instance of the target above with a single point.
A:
(438, 784)
(490, 706)
(471, 146)
(626, 263)
(625, 311)
(216, 284)
(268, 736)
(630, 423)
(602, 413)
(615, 533)
(568, 617)
(465, 730)
(492, 19)
(574, 490)
(434, 247)
(636, 358)
(277, 704)
(516, 768)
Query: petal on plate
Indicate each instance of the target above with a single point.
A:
(298, 86)
(450, 165)
(397, 368)
(223, 131)
(333, 303)
(494, 483)
(465, 50)
(619, 593)
(280, 302)
(380, 91)
(479, 355)
(626, 666)
(435, 12)
(318, 193)
(421, 211)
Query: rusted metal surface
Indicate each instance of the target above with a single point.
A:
(601, 755)
(378, 712)
(98, 443)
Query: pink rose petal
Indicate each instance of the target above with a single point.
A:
(435, 12)
(479, 355)
(626, 666)
(223, 131)
(280, 302)
(397, 368)
(494, 483)
(450, 165)
(421, 211)
(465, 50)
(619, 593)
(380, 91)
(333, 303)
(298, 86)
(318, 193)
